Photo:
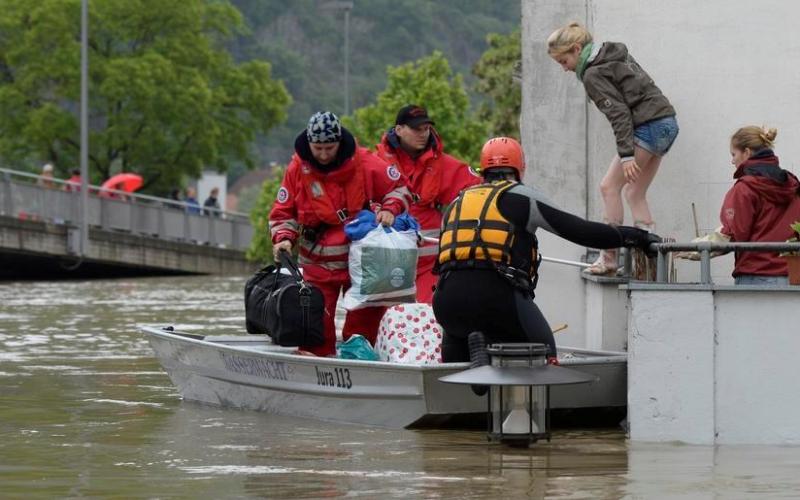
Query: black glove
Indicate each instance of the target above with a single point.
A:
(639, 238)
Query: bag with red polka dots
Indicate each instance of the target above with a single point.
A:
(409, 334)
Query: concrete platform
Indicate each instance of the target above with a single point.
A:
(711, 364)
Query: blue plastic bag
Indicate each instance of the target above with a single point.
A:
(364, 222)
(356, 347)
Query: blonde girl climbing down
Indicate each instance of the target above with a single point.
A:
(642, 118)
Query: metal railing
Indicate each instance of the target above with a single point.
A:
(32, 197)
(564, 262)
(706, 249)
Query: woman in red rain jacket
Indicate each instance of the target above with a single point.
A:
(760, 206)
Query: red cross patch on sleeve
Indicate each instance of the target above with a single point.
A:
(393, 172)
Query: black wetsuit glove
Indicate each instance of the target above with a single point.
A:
(639, 238)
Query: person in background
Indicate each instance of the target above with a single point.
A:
(328, 181)
(211, 205)
(45, 179)
(489, 257)
(192, 206)
(760, 207)
(74, 182)
(174, 199)
(433, 177)
(641, 116)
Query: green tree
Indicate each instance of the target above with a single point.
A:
(428, 82)
(261, 244)
(304, 41)
(498, 78)
(248, 196)
(166, 98)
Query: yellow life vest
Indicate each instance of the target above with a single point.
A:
(476, 235)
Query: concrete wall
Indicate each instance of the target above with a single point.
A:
(606, 321)
(713, 365)
(671, 366)
(40, 242)
(553, 128)
(723, 64)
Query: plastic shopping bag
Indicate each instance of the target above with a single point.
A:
(409, 334)
(383, 269)
(356, 347)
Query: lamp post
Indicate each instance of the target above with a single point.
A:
(519, 381)
(346, 7)
(84, 243)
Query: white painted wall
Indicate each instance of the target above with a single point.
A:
(553, 129)
(723, 64)
(606, 321)
(715, 366)
(756, 370)
(671, 366)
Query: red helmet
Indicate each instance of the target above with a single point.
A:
(503, 152)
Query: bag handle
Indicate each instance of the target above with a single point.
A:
(288, 263)
(275, 281)
(284, 260)
(305, 293)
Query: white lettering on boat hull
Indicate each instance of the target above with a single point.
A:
(274, 370)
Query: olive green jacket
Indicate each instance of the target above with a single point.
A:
(624, 92)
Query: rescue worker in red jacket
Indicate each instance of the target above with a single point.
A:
(434, 178)
(488, 256)
(329, 179)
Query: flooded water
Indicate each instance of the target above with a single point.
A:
(85, 411)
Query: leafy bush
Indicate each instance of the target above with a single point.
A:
(261, 245)
(794, 239)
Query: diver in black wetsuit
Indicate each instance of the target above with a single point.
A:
(488, 255)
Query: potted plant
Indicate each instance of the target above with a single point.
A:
(793, 258)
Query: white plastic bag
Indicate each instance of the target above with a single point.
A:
(383, 269)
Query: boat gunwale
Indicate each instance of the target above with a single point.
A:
(597, 357)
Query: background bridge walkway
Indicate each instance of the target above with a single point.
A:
(129, 234)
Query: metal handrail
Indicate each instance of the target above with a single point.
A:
(131, 196)
(566, 262)
(159, 217)
(431, 239)
(705, 248)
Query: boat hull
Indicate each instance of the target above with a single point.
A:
(249, 372)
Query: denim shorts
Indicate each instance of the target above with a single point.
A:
(656, 135)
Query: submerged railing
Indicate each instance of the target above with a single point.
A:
(23, 196)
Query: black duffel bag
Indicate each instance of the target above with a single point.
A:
(284, 306)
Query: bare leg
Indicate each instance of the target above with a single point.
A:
(636, 192)
(611, 190)
(636, 196)
(613, 213)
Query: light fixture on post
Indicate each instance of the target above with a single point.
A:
(519, 381)
(519, 413)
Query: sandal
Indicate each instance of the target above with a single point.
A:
(605, 265)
